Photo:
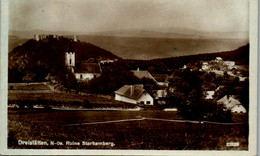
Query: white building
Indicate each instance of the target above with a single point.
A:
(135, 94)
(230, 103)
(238, 109)
(87, 70)
(229, 64)
(209, 95)
(218, 59)
(106, 61)
(205, 66)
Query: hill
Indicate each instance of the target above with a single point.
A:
(49, 55)
(160, 66)
(146, 48)
(240, 56)
(172, 32)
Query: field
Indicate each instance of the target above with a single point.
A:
(125, 129)
(33, 86)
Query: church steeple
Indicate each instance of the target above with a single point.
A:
(70, 47)
(70, 58)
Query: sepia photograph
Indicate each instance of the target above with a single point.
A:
(136, 76)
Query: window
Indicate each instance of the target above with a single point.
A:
(148, 102)
(81, 77)
(70, 61)
(141, 102)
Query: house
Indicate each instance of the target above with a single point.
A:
(205, 66)
(238, 109)
(135, 94)
(229, 64)
(161, 79)
(209, 95)
(143, 74)
(218, 59)
(218, 72)
(160, 96)
(230, 103)
(162, 93)
(107, 61)
(242, 78)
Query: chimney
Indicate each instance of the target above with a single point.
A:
(131, 90)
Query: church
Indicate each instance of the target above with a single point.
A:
(86, 70)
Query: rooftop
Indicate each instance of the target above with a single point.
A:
(131, 91)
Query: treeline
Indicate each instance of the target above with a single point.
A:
(159, 66)
(240, 56)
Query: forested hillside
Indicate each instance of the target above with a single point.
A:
(240, 56)
(42, 57)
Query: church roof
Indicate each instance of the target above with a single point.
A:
(86, 67)
(70, 47)
(131, 91)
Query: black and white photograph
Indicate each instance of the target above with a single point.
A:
(141, 76)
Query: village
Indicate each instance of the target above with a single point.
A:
(162, 84)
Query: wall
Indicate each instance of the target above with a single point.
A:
(146, 97)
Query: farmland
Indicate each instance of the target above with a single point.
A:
(62, 126)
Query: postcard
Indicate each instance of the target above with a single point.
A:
(119, 77)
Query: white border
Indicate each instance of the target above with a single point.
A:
(252, 116)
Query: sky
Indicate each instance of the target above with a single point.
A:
(105, 15)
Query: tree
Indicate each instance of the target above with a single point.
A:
(28, 77)
(189, 94)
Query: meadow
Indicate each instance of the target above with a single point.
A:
(138, 133)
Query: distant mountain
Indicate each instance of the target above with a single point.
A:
(14, 41)
(152, 48)
(173, 32)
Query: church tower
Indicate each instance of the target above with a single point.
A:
(70, 59)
